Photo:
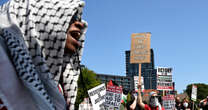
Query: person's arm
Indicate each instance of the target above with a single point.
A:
(140, 103)
(203, 100)
(133, 105)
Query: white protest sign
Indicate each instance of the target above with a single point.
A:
(194, 93)
(97, 96)
(113, 97)
(164, 78)
(169, 102)
(136, 78)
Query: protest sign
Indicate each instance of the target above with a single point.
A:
(169, 102)
(97, 96)
(136, 78)
(194, 93)
(140, 48)
(164, 78)
(113, 96)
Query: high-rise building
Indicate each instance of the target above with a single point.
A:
(125, 82)
(150, 79)
(132, 69)
(148, 71)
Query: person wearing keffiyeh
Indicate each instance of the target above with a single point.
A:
(41, 43)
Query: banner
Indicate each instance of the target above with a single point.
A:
(97, 96)
(140, 48)
(164, 78)
(169, 102)
(194, 93)
(113, 97)
(136, 79)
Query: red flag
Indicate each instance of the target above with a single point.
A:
(110, 83)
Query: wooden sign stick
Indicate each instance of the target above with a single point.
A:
(140, 68)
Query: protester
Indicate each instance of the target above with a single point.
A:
(132, 104)
(193, 105)
(204, 104)
(186, 104)
(40, 47)
(178, 104)
(130, 101)
(154, 103)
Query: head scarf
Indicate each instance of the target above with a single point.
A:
(154, 102)
(151, 93)
(35, 34)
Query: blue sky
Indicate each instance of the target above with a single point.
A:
(179, 36)
(3, 1)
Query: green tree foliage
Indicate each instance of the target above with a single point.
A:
(86, 82)
(202, 91)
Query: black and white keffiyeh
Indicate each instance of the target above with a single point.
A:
(35, 34)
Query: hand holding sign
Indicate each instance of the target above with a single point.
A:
(139, 86)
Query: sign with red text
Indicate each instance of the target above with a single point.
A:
(164, 78)
(169, 102)
(113, 97)
(136, 78)
(164, 83)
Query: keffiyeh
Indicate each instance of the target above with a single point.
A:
(35, 34)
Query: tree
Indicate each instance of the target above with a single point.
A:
(202, 91)
(87, 80)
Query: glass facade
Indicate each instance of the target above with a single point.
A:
(125, 82)
(148, 71)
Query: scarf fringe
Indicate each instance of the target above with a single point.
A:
(5, 102)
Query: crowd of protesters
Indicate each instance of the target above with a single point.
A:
(204, 104)
(186, 104)
(155, 103)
